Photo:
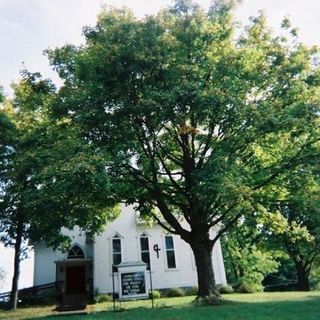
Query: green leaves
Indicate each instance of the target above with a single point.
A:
(50, 177)
(186, 115)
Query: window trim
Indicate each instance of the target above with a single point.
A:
(165, 253)
(76, 257)
(145, 235)
(116, 236)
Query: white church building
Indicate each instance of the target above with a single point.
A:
(134, 247)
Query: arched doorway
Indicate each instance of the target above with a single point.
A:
(74, 278)
(75, 274)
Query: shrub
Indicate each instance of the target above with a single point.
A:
(250, 288)
(315, 279)
(315, 286)
(192, 291)
(225, 288)
(251, 282)
(175, 292)
(155, 294)
(98, 298)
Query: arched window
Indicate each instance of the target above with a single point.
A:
(76, 253)
(116, 250)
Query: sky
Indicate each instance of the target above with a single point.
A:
(30, 26)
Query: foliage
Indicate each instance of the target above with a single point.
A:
(174, 292)
(315, 278)
(192, 291)
(48, 178)
(256, 265)
(247, 257)
(47, 170)
(155, 294)
(251, 286)
(225, 288)
(99, 298)
(284, 279)
(292, 220)
(193, 121)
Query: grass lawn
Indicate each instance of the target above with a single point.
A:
(260, 306)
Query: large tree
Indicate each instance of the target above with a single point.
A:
(47, 179)
(193, 118)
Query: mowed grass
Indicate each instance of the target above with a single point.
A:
(260, 306)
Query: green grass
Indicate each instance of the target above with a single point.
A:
(260, 306)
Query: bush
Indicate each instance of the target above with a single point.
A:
(98, 298)
(155, 294)
(250, 288)
(225, 288)
(315, 286)
(192, 291)
(315, 279)
(251, 282)
(175, 292)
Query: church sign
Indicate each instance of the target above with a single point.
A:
(132, 280)
(133, 283)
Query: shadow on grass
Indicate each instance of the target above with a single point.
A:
(307, 308)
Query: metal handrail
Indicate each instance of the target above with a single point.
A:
(4, 295)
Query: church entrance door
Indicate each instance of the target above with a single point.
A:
(76, 279)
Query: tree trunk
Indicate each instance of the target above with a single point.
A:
(202, 251)
(303, 277)
(16, 272)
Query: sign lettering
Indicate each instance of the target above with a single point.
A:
(133, 283)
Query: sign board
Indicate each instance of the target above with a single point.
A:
(133, 284)
(132, 280)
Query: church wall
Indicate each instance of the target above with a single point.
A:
(184, 275)
(44, 257)
(129, 229)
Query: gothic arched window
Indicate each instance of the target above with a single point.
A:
(76, 253)
(116, 250)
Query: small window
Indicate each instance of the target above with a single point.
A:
(116, 250)
(76, 253)
(171, 259)
(144, 247)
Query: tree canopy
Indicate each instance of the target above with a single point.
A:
(290, 219)
(48, 179)
(193, 120)
(247, 256)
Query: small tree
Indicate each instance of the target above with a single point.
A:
(193, 122)
(247, 257)
(46, 180)
(292, 222)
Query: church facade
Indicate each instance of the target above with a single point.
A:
(89, 266)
